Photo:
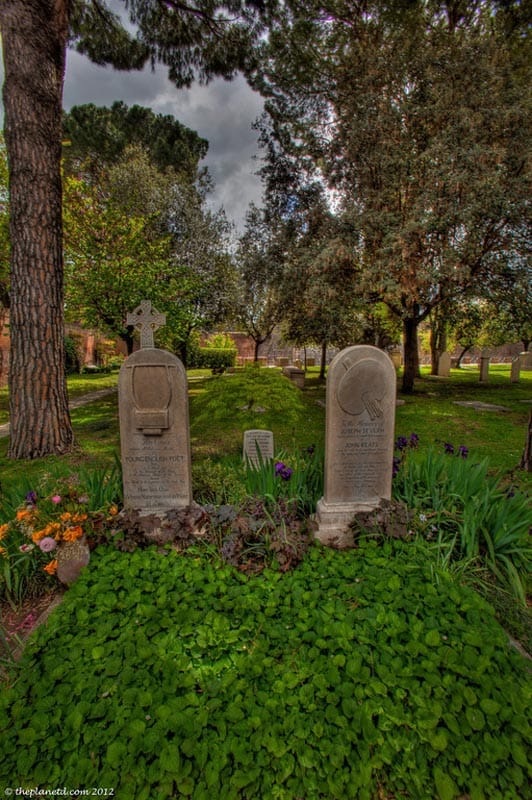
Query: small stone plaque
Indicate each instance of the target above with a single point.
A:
(255, 442)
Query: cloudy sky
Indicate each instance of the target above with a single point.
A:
(222, 112)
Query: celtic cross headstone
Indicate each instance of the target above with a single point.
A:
(154, 427)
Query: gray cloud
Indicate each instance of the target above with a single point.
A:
(222, 112)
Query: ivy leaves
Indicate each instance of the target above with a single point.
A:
(350, 673)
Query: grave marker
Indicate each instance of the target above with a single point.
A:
(444, 365)
(255, 442)
(484, 368)
(360, 419)
(154, 427)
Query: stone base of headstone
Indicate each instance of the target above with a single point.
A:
(340, 528)
(71, 558)
(333, 522)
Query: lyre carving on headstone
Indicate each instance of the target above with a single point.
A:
(360, 416)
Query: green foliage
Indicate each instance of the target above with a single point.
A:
(297, 479)
(217, 483)
(351, 677)
(101, 135)
(217, 359)
(72, 361)
(470, 514)
(253, 398)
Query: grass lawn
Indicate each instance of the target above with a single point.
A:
(431, 412)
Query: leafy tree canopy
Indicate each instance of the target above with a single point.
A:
(100, 136)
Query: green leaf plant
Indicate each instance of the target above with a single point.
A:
(166, 675)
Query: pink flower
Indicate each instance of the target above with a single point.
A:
(26, 548)
(47, 544)
(56, 498)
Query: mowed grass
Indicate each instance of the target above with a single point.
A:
(431, 412)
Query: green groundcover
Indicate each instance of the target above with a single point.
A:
(362, 674)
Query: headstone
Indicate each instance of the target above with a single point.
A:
(444, 365)
(255, 442)
(515, 370)
(154, 428)
(395, 355)
(484, 368)
(360, 419)
(282, 361)
(296, 375)
(311, 361)
(526, 360)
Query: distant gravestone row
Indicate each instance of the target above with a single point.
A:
(155, 439)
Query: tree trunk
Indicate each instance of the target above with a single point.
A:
(526, 458)
(34, 34)
(438, 340)
(462, 354)
(323, 360)
(258, 343)
(411, 356)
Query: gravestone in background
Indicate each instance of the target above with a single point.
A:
(515, 371)
(526, 360)
(444, 365)
(296, 375)
(154, 427)
(484, 368)
(255, 442)
(359, 440)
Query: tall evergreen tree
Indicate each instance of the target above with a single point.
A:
(200, 39)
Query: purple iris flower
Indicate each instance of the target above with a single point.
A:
(449, 448)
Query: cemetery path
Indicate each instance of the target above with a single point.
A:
(76, 402)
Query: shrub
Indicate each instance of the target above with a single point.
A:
(253, 398)
(217, 359)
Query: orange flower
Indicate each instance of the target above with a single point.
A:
(53, 528)
(72, 534)
(24, 513)
(66, 517)
(3, 551)
(3, 530)
(36, 536)
(51, 567)
(113, 511)
(79, 518)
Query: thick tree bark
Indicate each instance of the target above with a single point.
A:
(323, 362)
(438, 343)
(526, 458)
(34, 35)
(411, 355)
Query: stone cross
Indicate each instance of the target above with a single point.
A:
(146, 320)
